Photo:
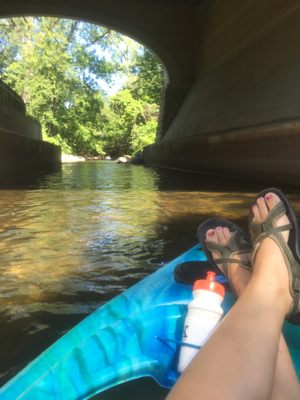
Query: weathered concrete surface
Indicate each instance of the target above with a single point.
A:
(268, 154)
(15, 122)
(10, 98)
(247, 79)
(259, 83)
(13, 114)
(21, 156)
(22, 151)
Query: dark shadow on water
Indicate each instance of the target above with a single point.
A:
(171, 179)
(80, 176)
(146, 389)
(31, 180)
(20, 344)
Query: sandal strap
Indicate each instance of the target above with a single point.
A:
(267, 227)
(294, 289)
(294, 309)
(236, 245)
(226, 261)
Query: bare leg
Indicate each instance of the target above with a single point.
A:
(239, 359)
(286, 383)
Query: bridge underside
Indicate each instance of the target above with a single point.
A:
(241, 117)
(232, 100)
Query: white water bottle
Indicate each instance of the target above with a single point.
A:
(204, 313)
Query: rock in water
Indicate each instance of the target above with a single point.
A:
(121, 160)
(68, 158)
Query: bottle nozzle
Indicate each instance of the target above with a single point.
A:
(210, 284)
(210, 276)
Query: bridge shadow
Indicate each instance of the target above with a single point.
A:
(173, 179)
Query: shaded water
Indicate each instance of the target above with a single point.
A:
(74, 239)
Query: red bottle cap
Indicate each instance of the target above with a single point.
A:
(210, 284)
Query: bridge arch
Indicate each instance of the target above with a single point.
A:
(146, 22)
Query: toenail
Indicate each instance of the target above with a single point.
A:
(211, 233)
(269, 196)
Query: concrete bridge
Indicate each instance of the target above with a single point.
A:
(231, 104)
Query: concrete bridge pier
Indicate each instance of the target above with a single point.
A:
(171, 101)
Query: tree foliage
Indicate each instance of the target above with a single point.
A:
(149, 78)
(59, 67)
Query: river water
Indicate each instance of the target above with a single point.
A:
(72, 240)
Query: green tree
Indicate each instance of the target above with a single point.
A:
(58, 66)
(123, 114)
(132, 114)
(55, 66)
(148, 76)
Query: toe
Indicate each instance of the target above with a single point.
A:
(263, 208)
(256, 214)
(221, 236)
(271, 199)
(227, 233)
(211, 235)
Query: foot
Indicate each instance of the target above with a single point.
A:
(237, 275)
(262, 208)
(269, 256)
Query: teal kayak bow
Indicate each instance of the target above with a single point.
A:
(136, 334)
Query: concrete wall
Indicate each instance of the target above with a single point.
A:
(13, 114)
(22, 151)
(9, 98)
(268, 154)
(242, 115)
(13, 121)
(248, 68)
(21, 156)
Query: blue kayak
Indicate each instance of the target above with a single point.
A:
(136, 334)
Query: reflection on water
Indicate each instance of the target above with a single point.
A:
(74, 239)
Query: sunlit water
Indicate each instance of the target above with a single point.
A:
(74, 239)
